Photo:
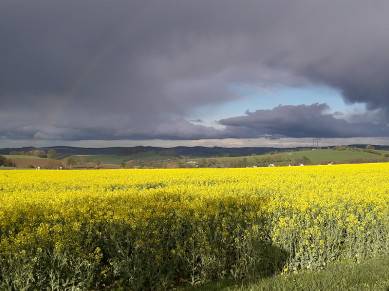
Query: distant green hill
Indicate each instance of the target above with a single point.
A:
(141, 151)
(155, 157)
(278, 158)
(296, 157)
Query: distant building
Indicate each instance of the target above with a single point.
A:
(192, 163)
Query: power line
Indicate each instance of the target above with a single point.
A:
(315, 142)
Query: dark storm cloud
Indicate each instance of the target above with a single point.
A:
(300, 121)
(95, 69)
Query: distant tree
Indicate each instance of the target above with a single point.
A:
(38, 153)
(52, 154)
(341, 148)
(70, 162)
(98, 164)
(303, 160)
(2, 160)
(245, 162)
(6, 162)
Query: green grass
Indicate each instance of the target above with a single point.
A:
(372, 274)
(328, 155)
(22, 157)
(105, 159)
(118, 159)
(338, 156)
(316, 156)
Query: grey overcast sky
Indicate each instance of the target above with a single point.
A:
(223, 72)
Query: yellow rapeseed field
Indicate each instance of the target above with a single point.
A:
(162, 228)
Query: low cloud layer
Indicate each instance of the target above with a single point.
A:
(296, 121)
(301, 121)
(98, 69)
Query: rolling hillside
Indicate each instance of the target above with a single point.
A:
(312, 156)
(188, 157)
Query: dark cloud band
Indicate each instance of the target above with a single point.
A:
(97, 69)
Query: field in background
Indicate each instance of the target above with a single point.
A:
(307, 157)
(149, 229)
(183, 157)
(25, 162)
